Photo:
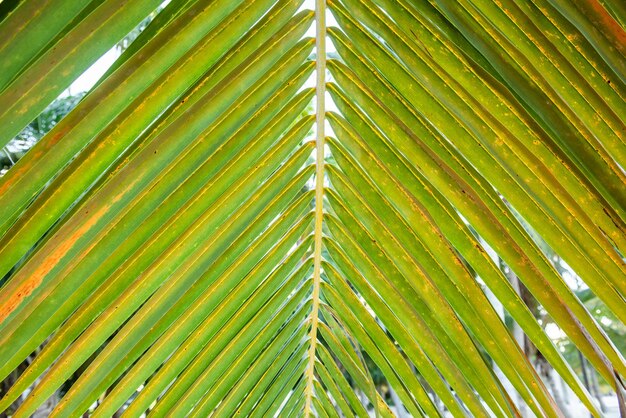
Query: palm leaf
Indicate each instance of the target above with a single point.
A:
(182, 243)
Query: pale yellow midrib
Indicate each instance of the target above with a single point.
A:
(320, 26)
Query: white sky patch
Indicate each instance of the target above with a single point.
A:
(554, 332)
(91, 76)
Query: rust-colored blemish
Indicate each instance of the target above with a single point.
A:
(27, 287)
(17, 172)
(609, 25)
(35, 155)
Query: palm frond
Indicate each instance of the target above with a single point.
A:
(184, 243)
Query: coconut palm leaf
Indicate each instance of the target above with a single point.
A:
(191, 239)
